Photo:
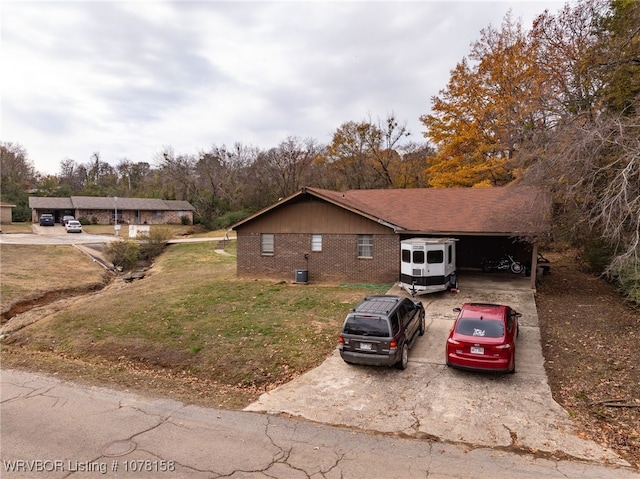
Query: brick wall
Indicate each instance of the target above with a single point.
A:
(105, 217)
(337, 262)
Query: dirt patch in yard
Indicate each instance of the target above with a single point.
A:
(48, 297)
(590, 340)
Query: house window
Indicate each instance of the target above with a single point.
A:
(316, 242)
(266, 242)
(365, 246)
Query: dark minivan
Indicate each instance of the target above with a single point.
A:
(380, 330)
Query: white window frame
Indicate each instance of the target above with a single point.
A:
(316, 243)
(365, 246)
(267, 244)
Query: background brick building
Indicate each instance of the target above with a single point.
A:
(102, 210)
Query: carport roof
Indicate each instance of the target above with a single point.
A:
(509, 210)
(39, 202)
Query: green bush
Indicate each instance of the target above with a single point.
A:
(153, 244)
(629, 281)
(21, 214)
(228, 219)
(597, 255)
(123, 254)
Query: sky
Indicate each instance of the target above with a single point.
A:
(130, 78)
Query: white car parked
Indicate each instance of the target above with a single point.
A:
(73, 226)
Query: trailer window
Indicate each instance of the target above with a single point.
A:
(406, 256)
(418, 257)
(435, 257)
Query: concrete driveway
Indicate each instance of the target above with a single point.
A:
(44, 235)
(430, 400)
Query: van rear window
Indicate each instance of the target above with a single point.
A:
(367, 326)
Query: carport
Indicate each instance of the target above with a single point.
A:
(56, 206)
(471, 250)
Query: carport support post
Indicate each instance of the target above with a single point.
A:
(534, 264)
(115, 216)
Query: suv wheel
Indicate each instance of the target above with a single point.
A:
(422, 326)
(404, 359)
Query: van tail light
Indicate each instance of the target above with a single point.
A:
(340, 339)
(393, 344)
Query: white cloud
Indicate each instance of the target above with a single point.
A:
(127, 78)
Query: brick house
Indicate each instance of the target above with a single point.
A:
(101, 210)
(354, 236)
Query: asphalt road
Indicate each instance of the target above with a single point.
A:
(56, 429)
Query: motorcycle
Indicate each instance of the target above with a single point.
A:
(505, 263)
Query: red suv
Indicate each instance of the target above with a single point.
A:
(483, 338)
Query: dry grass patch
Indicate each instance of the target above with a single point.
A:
(31, 271)
(24, 228)
(192, 317)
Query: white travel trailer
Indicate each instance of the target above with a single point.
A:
(428, 265)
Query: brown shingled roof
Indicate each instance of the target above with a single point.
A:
(50, 202)
(107, 203)
(504, 210)
(509, 210)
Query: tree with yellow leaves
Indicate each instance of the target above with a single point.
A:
(487, 112)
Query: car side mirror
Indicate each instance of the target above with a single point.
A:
(517, 315)
(457, 310)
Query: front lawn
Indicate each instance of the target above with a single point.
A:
(191, 318)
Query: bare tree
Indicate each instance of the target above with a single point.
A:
(384, 142)
(594, 170)
(73, 176)
(286, 166)
(179, 174)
